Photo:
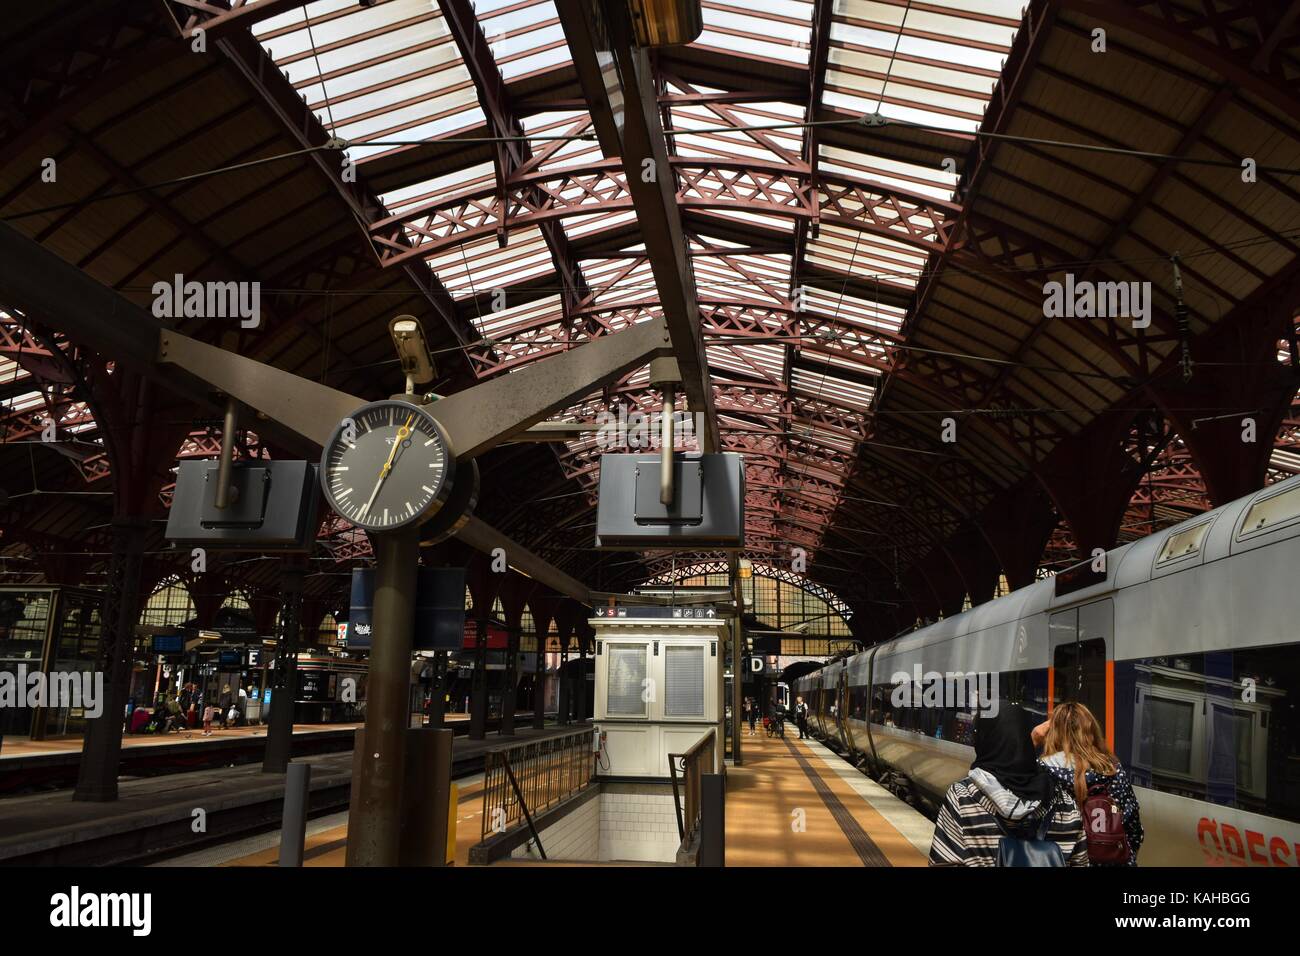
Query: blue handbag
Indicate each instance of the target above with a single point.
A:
(1036, 850)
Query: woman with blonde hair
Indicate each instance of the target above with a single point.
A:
(1075, 753)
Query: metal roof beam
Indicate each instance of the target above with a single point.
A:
(592, 30)
(513, 155)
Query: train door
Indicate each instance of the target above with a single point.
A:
(842, 711)
(1082, 646)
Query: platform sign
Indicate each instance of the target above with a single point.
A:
(694, 613)
(169, 643)
(439, 609)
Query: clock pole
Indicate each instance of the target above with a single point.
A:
(375, 817)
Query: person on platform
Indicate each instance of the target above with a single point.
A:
(175, 716)
(751, 715)
(1006, 794)
(224, 703)
(801, 717)
(1075, 753)
(209, 713)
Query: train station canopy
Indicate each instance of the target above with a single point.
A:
(873, 193)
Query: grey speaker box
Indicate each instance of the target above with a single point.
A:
(274, 509)
(708, 508)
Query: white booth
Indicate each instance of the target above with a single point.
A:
(659, 688)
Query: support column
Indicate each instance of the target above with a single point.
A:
(580, 698)
(284, 682)
(737, 655)
(510, 689)
(543, 613)
(478, 691)
(562, 694)
(438, 707)
(375, 816)
(97, 775)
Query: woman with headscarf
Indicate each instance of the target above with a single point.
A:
(1007, 794)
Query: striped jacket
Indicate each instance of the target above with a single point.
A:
(967, 831)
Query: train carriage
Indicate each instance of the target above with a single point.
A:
(1184, 646)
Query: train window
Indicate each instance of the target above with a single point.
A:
(1081, 676)
(1220, 727)
(1268, 513)
(1183, 543)
(625, 688)
(684, 677)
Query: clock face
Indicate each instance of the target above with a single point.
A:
(387, 466)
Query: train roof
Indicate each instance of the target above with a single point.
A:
(1127, 565)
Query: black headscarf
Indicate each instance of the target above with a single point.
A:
(1003, 748)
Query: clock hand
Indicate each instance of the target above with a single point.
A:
(402, 434)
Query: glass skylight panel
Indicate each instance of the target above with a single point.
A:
(524, 37)
(863, 167)
(850, 310)
(514, 319)
(391, 70)
(944, 63)
(478, 177)
(479, 266)
(840, 391)
(763, 28)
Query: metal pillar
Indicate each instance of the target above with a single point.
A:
(713, 820)
(375, 817)
(580, 701)
(539, 683)
(97, 775)
(438, 707)
(478, 689)
(284, 682)
(562, 694)
(510, 691)
(737, 677)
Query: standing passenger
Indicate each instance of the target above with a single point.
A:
(751, 714)
(1007, 794)
(1075, 753)
(801, 715)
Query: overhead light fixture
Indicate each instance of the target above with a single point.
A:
(412, 350)
(666, 22)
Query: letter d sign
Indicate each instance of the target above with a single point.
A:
(756, 665)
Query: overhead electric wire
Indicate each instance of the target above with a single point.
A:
(878, 122)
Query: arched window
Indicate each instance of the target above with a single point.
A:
(779, 599)
(237, 600)
(327, 635)
(169, 605)
(527, 630)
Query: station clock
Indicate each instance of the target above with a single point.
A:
(388, 465)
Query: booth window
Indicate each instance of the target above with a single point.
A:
(625, 689)
(684, 675)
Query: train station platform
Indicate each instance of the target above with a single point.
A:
(795, 803)
(156, 816)
(30, 765)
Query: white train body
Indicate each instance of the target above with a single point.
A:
(1187, 649)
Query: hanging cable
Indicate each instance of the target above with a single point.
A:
(1184, 326)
